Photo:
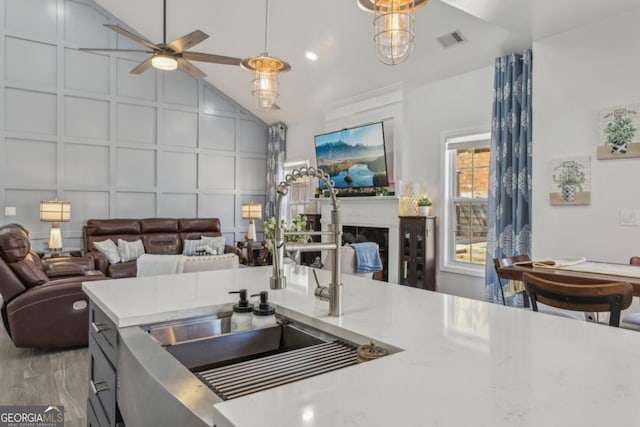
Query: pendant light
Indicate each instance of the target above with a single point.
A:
(393, 27)
(266, 69)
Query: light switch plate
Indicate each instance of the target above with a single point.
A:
(629, 217)
(9, 211)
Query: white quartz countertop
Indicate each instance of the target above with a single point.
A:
(465, 362)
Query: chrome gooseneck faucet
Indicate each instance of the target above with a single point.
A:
(278, 280)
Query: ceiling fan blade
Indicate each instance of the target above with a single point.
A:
(214, 59)
(142, 67)
(185, 42)
(99, 49)
(132, 36)
(185, 65)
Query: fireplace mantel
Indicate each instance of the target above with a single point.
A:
(371, 211)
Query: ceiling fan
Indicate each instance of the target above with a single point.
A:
(169, 56)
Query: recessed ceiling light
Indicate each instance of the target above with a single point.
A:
(311, 56)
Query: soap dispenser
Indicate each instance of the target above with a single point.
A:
(241, 319)
(264, 315)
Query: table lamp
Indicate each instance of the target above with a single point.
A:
(55, 211)
(251, 211)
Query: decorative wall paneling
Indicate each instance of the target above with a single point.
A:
(78, 126)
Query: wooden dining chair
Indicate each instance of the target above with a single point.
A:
(612, 297)
(507, 262)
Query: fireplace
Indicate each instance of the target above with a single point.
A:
(375, 218)
(379, 235)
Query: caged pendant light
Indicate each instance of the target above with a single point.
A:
(393, 27)
(266, 69)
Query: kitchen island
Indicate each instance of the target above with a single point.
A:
(464, 362)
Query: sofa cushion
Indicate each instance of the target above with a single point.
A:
(96, 227)
(191, 247)
(108, 249)
(216, 243)
(130, 251)
(123, 269)
(14, 244)
(199, 224)
(159, 225)
(162, 244)
(30, 271)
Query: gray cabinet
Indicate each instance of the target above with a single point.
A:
(102, 408)
(417, 252)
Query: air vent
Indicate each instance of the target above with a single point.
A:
(451, 39)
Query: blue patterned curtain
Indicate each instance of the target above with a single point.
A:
(509, 225)
(275, 164)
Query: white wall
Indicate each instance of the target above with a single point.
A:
(577, 74)
(78, 126)
(456, 104)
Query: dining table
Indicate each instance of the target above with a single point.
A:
(579, 273)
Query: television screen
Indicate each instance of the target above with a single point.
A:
(353, 158)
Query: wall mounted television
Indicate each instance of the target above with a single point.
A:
(354, 157)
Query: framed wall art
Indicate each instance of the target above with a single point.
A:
(619, 132)
(570, 181)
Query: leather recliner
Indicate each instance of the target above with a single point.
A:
(43, 304)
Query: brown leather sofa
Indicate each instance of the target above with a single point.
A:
(164, 236)
(43, 304)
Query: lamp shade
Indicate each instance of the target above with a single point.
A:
(251, 211)
(55, 211)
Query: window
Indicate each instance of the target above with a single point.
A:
(467, 190)
(299, 192)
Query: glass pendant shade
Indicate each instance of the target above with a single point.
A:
(393, 36)
(265, 69)
(393, 27)
(265, 83)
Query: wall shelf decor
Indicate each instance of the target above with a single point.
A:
(619, 134)
(570, 181)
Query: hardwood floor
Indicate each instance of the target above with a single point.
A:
(45, 377)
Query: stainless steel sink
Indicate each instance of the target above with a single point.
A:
(240, 363)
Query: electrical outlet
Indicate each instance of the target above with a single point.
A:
(629, 217)
(9, 211)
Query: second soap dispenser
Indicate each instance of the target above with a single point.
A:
(241, 319)
(264, 315)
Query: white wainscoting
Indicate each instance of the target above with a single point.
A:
(78, 126)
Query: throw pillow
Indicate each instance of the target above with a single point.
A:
(109, 249)
(215, 243)
(130, 251)
(191, 247)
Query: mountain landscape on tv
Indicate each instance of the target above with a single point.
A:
(353, 165)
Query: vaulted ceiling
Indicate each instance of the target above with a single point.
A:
(341, 35)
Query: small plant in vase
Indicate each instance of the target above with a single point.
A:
(423, 206)
(620, 133)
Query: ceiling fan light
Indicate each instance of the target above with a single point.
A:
(164, 62)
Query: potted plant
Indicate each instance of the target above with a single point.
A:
(381, 191)
(423, 206)
(620, 133)
(570, 180)
(297, 224)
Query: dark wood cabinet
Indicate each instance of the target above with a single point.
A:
(417, 252)
(313, 224)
